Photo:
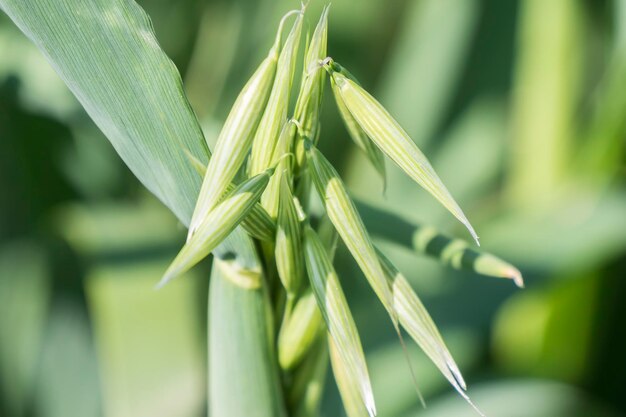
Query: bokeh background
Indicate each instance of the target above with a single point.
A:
(521, 107)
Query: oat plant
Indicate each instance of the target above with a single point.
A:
(277, 311)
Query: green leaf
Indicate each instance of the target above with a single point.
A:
(126, 83)
(243, 373)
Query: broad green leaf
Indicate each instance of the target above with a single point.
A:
(243, 374)
(127, 85)
(217, 225)
(337, 316)
(107, 54)
(389, 136)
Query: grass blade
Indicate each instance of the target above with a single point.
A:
(132, 69)
(389, 136)
(243, 376)
(337, 316)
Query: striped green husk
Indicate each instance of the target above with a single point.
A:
(258, 223)
(309, 101)
(275, 114)
(235, 138)
(337, 316)
(389, 136)
(217, 225)
(418, 323)
(358, 136)
(350, 397)
(270, 198)
(299, 331)
(288, 246)
(344, 216)
(234, 141)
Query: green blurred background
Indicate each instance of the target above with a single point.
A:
(521, 107)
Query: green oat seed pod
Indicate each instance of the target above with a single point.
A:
(307, 110)
(419, 325)
(217, 225)
(389, 136)
(358, 136)
(288, 245)
(299, 331)
(258, 223)
(337, 316)
(235, 138)
(275, 114)
(344, 216)
(270, 198)
(350, 396)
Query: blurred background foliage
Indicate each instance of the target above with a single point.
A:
(521, 107)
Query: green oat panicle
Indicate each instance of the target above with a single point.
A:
(217, 225)
(235, 138)
(275, 114)
(389, 136)
(337, 316)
